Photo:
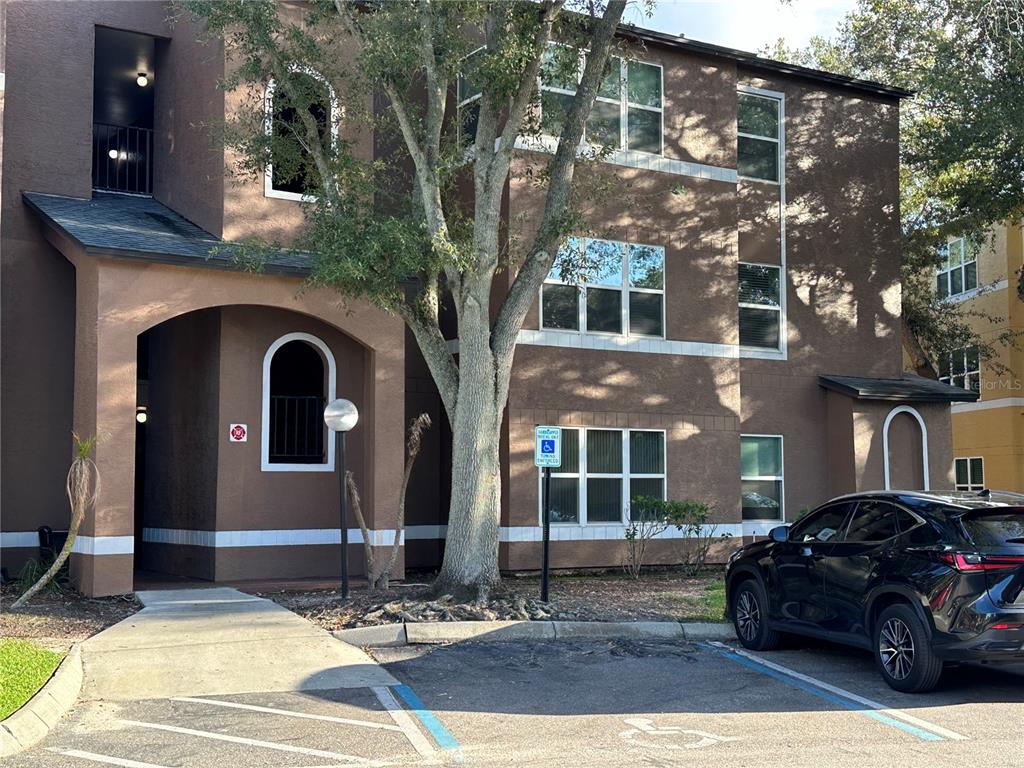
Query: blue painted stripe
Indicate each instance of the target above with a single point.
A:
(827, 696)
(441, 735)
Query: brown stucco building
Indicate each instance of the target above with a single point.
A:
(743, 346)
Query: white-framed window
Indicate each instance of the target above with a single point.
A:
(292, 175)
(961, 368)
(760, 305)
(468, 93)
(958, 271)
(602, 470)
(970, 473)
(759, 120)
(614, 288)
(299, 379)
(628, 113)
(762, 486)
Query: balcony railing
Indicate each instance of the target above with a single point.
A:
(122, 158)
(296, 429)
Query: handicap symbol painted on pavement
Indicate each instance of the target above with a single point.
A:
(645, 733)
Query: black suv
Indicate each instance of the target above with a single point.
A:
(917, 578)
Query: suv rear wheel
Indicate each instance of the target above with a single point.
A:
(903, 651)
(750, 617)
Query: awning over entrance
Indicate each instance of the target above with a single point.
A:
(907, 389)
(133, 227)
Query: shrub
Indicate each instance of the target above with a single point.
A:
(693, 519)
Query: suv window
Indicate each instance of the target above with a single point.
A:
(822, 525)
(874, 521)
(995, 527)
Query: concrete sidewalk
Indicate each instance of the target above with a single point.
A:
(199, 642)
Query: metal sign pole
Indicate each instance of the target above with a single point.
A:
(344, 516)
(546, 568)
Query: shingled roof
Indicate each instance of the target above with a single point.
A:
(132, 227)
(908, 388)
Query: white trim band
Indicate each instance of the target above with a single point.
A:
(985, 405)
(84, 545)
(298, 537)
(576, 340)
(981, 290)
(633, 159)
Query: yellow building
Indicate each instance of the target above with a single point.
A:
(988, 435)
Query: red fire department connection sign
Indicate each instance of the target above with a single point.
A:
(238, 433)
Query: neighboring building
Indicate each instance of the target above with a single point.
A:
(982, 274)
(745, 351)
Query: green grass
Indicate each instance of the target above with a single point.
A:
(24, 669)
(709, 606)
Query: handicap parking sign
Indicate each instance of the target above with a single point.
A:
(548, 447)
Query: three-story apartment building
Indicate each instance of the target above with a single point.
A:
(741, 344)
(982, 274)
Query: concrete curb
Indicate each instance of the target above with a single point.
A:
(30, 724)
(440, 632)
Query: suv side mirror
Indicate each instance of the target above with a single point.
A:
(779, 533)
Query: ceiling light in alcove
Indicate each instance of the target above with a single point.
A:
(142, 80)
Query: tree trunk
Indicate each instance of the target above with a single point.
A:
(470, 565)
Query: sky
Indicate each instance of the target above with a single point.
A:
(748, 25)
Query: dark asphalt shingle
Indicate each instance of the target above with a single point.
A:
(908, 388)
(140, 227)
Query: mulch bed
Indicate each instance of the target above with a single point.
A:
(665, 595)
(58, 621)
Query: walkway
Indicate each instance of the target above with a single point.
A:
(199, 642)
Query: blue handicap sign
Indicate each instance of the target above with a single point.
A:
(547, 446)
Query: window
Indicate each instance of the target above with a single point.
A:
(758, 123)
(291, 173)
(299, 376)
(961, 368)
(875, 521)
(970, 474)
(822, 525)
(760, 305)
(761, 477)
(602, 469)
(627, 113)
(468, 94)
(958, 270)
(605, 287)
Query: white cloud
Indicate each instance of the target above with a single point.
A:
(744, 24)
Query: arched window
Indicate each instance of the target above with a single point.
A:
(299, 378)
(292, 174)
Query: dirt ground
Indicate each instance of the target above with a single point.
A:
(58, 621)
(659, 596)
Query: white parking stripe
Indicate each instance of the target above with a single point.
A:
(103, 758)
(882, 708)
(288, 713)
(405, 723)
(255, 743)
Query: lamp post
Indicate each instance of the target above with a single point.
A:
(341, 416)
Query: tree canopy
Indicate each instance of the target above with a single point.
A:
(962, 137)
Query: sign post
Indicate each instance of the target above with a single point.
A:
(547, 454)
(340, 416)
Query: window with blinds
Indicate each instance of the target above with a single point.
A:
(757, 137)
(760, 305)
(602, 470)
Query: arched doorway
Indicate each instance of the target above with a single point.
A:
(905, 445)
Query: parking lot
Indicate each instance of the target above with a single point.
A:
(583, 703)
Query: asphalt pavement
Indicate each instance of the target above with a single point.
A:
(576, 703)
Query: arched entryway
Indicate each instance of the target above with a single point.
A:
(905, 446)
(235, 472)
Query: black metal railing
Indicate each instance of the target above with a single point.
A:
(122, 158)
(296, 429)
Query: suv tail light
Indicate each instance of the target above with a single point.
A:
(970, 561)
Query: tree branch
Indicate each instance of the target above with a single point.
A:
(536, 266)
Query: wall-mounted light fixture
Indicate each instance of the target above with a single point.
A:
(142, 80)
(141, 415)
